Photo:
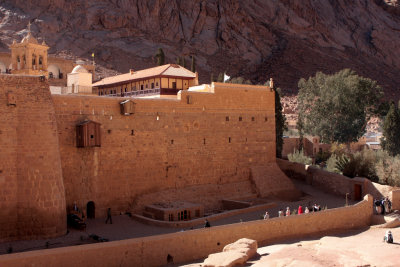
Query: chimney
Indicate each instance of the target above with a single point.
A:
(271, 83)
(131, 71)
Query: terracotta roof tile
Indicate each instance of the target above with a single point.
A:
(164, 70)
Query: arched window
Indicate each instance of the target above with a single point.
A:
(34, 61)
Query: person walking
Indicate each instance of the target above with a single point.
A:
(287, 211)
(300, 210)
(109, 216)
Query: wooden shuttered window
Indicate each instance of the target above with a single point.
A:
(88, 134)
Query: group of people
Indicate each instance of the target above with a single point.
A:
(300, 210)
(383, 205)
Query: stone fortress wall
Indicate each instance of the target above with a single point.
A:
(32, 199)
(202, 148)
(170, 149)
(197, 244)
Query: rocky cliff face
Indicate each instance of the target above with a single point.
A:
(285, 39)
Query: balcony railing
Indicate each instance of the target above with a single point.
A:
(140, 93)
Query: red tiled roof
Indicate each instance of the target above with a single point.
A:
(164, 70)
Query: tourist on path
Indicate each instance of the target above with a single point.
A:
(306, 210)
(280, 213)
(287, 211)
(388, 238)
(207, 224)
(109, 216)
(266, 216)
(300, 210)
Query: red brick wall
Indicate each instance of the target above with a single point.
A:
(32, 200)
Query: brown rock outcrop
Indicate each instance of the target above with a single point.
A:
(233, 254)
(286, 39)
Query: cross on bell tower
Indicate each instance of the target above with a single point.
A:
(29, 57)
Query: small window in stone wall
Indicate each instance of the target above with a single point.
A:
(240, 118)
(253, 119)
(11, 99)
(266, 119)
(88, 134)
(227, 118)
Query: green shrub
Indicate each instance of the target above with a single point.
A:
(322, 156)
(331, 164)
(388, 170)
(299, 157)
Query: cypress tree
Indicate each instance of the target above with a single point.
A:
(280, 123)
(178, 61)
(193, 67)
(160, 57)
(212, 78)
(391, 131)
(183, 62)
(220, 78)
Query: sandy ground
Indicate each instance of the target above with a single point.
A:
(354, 249)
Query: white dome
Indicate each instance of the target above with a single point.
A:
(79, 69)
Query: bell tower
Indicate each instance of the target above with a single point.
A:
(29, 57)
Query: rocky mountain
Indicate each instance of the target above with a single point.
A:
(257, 39)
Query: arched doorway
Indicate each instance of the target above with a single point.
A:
(90, 210)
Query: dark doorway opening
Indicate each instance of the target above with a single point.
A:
(357, 192)
(90, 210)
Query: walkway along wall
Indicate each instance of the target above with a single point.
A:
(339, 184)
(196, 244)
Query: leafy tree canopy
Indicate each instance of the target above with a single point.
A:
(337, 107)
(391, 131)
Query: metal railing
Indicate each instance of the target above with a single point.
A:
(147, 92)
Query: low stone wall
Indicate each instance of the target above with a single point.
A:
(196, 244)
(396, 199)
(200, 221)
(339, 184)
(293, 169)
(229, 204)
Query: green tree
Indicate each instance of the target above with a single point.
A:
(160, 57)
(280, 123)
(391, 131)
(183, 62)
(178, 61)
(193, 66)
(337, 107)
(220, 78)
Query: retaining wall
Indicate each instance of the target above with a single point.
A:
(196, 244)
(339, 184)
